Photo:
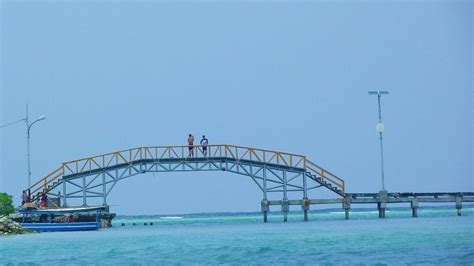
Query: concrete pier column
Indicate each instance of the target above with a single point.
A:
(265, 209)
(382, 205)
(346, 205)
(305, 207)
(458, 205)
(285, 208)
(414, 207)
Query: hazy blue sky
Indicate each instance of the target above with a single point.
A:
(284, 75)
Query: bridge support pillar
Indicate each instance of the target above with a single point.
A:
(265, 209)
(104, 191)
(285, 208)
(414, 208)
(346, 205)
(305, 207)
(383, 198)
(458, 205)
(84, 191)
(381, 206)
(64, 194)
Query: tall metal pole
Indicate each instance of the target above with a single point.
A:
(28, 147)
(28, 130)
(380, 129)
(381, 143)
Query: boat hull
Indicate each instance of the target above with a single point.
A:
(61, 227)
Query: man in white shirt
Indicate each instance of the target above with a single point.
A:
(204, 143)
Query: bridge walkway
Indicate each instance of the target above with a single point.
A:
(271, 171)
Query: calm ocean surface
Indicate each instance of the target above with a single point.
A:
(437, 236)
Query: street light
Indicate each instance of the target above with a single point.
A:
(380, 128)
(42, 117)
(28, 129)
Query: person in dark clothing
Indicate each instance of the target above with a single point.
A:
(204, 143)
(44, 200)
(71, 219)
(24, 198)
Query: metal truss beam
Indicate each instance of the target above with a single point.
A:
(98, 175)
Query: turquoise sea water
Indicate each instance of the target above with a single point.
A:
(437, 236)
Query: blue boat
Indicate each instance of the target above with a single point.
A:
(47, 222)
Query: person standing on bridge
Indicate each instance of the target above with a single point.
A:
(190, 145)
(204, 143)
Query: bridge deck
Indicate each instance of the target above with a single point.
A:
(188, 161)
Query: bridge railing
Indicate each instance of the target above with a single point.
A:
(130, 156)
(157, 153)
(43, 182)
(325, 175)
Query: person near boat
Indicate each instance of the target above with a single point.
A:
(24, 198)
(44, 200)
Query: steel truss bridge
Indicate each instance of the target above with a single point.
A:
(272, 172)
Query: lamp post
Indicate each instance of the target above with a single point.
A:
(380, 129)
(28, 129)
(28, 141)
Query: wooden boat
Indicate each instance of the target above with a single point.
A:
(60, 219)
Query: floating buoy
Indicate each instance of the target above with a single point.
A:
(145, 224)
(151, 223)
(123, 224)
(134, 224)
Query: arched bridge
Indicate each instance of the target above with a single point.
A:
(272, 171)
